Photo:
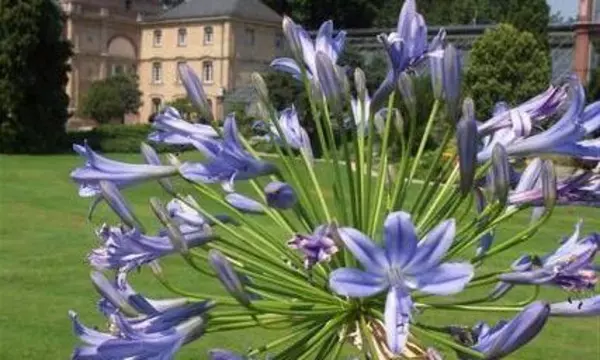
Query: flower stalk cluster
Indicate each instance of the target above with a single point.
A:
(350, 249)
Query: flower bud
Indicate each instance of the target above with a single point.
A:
(261, 88)
(244, 203)
(228, 277)
(152, 158)
(194, 89)
(360, 81)
(466, 134)
(407, 90)
(280, 195)
(500, 173)
(329, 80)
(119, 205)
(451, 80)
(549, 184)
(171, 229)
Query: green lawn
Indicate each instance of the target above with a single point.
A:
(44, 238)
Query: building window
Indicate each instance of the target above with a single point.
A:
(208, 35)
(182, 37)
(156, 73)
(117, 69)
(207, 71)
(156, 105)
(250, 37)
(278, 41)
(177, 74)
(157, 40)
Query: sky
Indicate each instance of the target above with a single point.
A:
(568, 8)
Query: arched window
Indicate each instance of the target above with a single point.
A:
(208, 35)
(156, 105)
(182, 37)
(207, 71)
(157, 73)
(157, 40)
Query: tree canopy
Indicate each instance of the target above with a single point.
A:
(33, 76)
(112, 98)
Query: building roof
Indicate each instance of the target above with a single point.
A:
(241, 9)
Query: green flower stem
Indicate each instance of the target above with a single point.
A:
(382, 169)
(193, 295)
(350, 175)
(247, 324)
(371, 347)
(291, 353)
(424, 139)
(432, 187)
(315, 342)
(409, 145)
(519, 238)
(338, 183)
(315, 182)
(471, 308)
(436, 203)
(443, 340)
(532, 298)
(298, 331)
(432, 171)
(359, 149)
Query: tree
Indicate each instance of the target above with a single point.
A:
(532, 16)
(33, 76)
(112, 98)
(506, 65)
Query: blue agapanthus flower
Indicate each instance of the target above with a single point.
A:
(131, 343)
(406, 48)
(566, 137)
(577, 308)
(403, 265)
(228, 160)
(98, 168)
(171, 128)
(570, 267)
(125, 249)
(305, 49)
(508, 336)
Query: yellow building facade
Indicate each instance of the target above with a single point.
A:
(223, 41)
(105, 35)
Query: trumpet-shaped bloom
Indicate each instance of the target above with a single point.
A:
(227, 159)
(318, 247)
(131, 343)
(188, 218)
(126, 249)
(566, 137)
(577, 308)
(280, 195)
(244, 204)
(508, 336)
(306, 50)
(403, 265)
(195, 90)
(570, 267)
(523, 117)
(580, 189)
(98, 168)
(406, 48)
(170, 128)
(292, 132)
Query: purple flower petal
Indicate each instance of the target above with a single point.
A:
(398, 309)
(364, 250)
(356, 283)
(432, 248)
(446, 279)
(400, 238)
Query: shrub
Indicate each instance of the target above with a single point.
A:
(506, 65)
(112, 98)
(119, 139)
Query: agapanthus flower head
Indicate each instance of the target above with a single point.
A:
(98, 168)
(566, 137)
(570, 267)
(171, 128)
(130, 343)
(126, 249)
(403, 265)
(227, 159)
(406, 48)
(317, 247)
(306, 51)
(508, 336)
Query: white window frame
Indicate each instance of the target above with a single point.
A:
(182, 35)
(208, 72)
(157, 73)
(157, 38)
(209, 35)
